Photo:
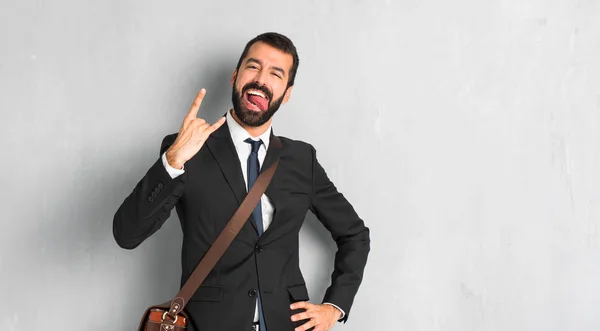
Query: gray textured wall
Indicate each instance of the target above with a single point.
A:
(465, 132)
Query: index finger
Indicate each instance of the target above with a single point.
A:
(196, 105)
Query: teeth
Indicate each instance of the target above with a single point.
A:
(260, 94)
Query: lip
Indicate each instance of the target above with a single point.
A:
(265, 94)
(249, 104)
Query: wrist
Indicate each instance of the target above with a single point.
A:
(173, 160)
(336, 312)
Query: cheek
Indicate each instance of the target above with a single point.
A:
(242, 79)
(239, 84)
(278, 89)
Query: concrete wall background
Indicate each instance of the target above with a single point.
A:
(466, 134)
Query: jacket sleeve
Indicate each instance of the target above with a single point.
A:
(146, 209)
(350, 234)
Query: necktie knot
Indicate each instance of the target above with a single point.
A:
(255, 144)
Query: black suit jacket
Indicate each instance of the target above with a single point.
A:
(205, 198)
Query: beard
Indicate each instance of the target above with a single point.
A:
(250, 117)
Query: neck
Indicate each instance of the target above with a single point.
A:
(253, 131)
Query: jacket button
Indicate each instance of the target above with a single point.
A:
(160, 185)
(151, 199)
(252, 293)
(156, 189)
(154, 194)
(258, 248)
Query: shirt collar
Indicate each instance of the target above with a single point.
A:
(239, 134)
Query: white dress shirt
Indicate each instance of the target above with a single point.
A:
(243, 149)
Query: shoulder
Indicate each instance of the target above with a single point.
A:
(297, 146)
(302, 153)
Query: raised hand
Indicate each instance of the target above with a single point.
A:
(192, 135)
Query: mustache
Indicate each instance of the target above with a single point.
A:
(256, 86)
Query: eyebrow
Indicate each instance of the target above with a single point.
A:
(260, 63)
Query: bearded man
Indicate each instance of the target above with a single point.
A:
(205, 171)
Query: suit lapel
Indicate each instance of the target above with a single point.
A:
(222, 148)
(273, 153)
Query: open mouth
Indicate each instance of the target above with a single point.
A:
(256, 100)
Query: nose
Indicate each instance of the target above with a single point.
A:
(261, 77)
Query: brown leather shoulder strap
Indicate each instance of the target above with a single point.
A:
(218, 248)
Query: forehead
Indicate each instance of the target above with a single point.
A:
(270, 56)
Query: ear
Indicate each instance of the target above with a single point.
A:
(233, 76)
(287, 94)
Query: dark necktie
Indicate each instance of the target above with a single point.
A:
(253, 170)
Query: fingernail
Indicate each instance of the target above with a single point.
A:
(291, 306)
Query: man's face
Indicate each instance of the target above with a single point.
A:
(259, 85)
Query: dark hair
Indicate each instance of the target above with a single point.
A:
(279, 42)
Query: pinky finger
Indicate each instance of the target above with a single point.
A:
(217, 125)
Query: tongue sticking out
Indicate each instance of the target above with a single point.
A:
(260, 102)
